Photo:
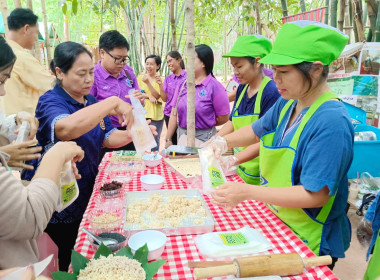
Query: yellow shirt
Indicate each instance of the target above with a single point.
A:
(155, 111)
(29, 80)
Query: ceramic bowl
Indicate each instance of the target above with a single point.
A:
(152, 182)
(152, 160)
(155, 240)
(115, 235)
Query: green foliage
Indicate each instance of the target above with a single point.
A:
(80, 262)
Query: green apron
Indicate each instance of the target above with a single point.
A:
(373, 269)
(276, 171)
(248, 171)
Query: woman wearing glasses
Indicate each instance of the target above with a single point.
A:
(113, 76)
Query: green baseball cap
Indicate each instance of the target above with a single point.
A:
(250, 45)
(306, 40)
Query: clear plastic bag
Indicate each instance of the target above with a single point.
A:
(68, 187)
(23, 133)
(232, 243)
(212, 173)
(368, 184)
(142, 136)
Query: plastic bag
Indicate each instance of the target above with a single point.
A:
(23, 133)
(142, 136)
(68, 189)
(364, 232)
(232, 243)
(212, 173)
(368, 184)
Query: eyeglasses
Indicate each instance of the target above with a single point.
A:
(119, 60)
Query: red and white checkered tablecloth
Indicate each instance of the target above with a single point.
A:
(181, 249)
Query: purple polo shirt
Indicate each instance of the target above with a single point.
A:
(211, 100)
(170, 84)
(105, 85)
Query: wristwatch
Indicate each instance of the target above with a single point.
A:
(168, 140)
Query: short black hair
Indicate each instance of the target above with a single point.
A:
(305, 67)
(20, 17)
(65, 54)
(157, 59)
(112, 39)
(206, 55)
(7, 56)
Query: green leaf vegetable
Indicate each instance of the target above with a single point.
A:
(80, 262)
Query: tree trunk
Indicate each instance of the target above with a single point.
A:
(377, 32)
(66, 28)
(101, 18)
(114, 20)
(190, 52)
(357, 13)
(4, 12)
(258, 19)
(284, 6)
(29, 4)
(372, 11)
(173, 26)
(36, 48)
(333, 12)
(347, 19)
(127, 32)
(303, 6)
(327, 4)
(154, 27)
(342, 7)
(17, 3)
(47, 39)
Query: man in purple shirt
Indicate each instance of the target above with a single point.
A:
(112, 75)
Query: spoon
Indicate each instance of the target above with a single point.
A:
(155, 155)
(106, 241)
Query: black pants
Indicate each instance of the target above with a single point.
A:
(64, 236)
(128, 147)
(174, 137)
(334, 260)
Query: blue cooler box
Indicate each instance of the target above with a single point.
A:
(366, 154)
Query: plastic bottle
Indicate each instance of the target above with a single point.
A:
(142, 136)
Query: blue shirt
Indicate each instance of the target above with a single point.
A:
(373, 215)
(53, 106)
(247, 105)
(324, 155)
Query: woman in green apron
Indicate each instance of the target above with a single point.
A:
(306, 142)
(254, 97)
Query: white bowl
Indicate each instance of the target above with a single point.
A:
(152, 182)
(152, 160)
(155, 240)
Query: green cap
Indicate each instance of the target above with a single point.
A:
(250, 45)
(306, 40)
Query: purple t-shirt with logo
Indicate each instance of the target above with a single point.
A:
(211, 101)
(170, 84)
(105, 85)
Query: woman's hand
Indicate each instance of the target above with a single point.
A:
(168, 144)
(69, 151)
(22, 152)
(75, 170)
(139, 95)
(145, 78)
(152, 99)
(153, 129)
(158, 80)
(230, 194)
(124, 113)
(25, 116)
(27, 275)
